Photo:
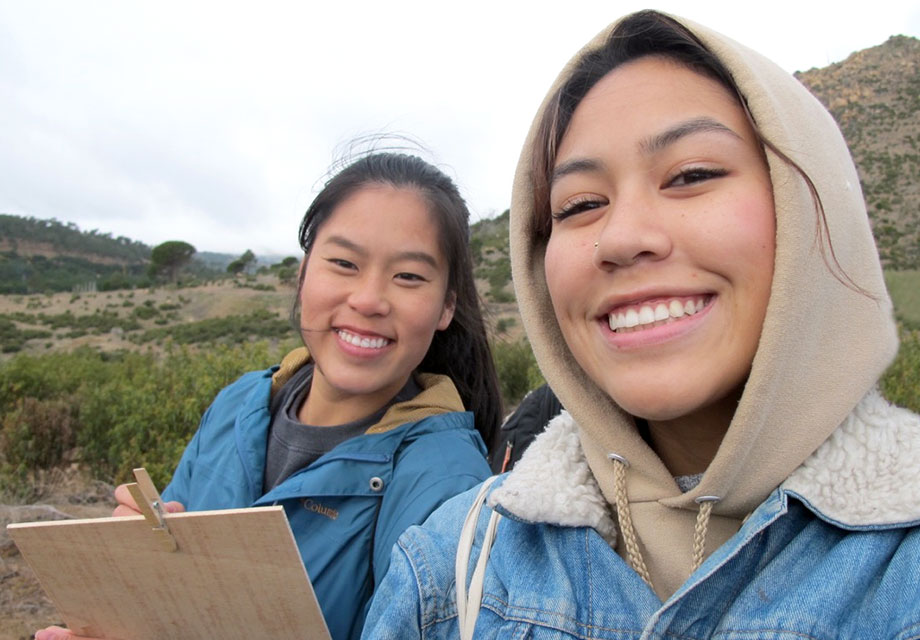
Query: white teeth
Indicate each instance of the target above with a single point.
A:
(366, 343)
(632, 318)
(659, 314)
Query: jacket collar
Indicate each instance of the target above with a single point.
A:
(864, 475)
(438, 394)
(867, 474)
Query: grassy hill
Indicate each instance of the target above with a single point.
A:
(875, 97)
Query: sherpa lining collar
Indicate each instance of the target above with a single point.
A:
(864, 475)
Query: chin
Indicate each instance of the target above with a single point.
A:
(659, 405)
(656, 413)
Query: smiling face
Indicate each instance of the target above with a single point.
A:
(660, 168)
(374, 292)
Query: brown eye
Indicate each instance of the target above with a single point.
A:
(578, 206)
(410, 277)
(344, 264)
(695, 175)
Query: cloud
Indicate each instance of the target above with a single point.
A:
(212, 122)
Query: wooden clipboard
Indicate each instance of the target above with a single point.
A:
(225, 574)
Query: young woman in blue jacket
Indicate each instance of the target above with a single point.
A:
(698, 278)
(384, 413)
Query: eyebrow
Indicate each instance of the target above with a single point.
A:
(415, 256)
(578, 165)
(648, 146)
(656, 143)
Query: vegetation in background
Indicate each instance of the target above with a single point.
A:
(110, 412)
(517, 370)
(489, 247)
(169, 257)
(904, 287)
(286, 270)
(67, 238)
(874, 95)
(242, 264)
(40, 274)
(260, 323)
(901, 382)
(43, 256)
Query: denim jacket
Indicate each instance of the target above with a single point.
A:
(804, 521)
(834, 552)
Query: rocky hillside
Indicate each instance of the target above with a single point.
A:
(875, 96)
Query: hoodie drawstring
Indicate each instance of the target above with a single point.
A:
(628, 531)
(469, 600)
(702, 526)
(633, 554)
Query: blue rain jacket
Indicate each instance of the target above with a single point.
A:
(346, 509)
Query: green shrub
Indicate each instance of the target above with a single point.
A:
(287, 275)
(111, 412)
(500, 296)
(904, 287)
(261, 323)
(37, 433)
(504, 324)
(51, 376)
(146, 414)
(145, 312)
(901, 382)
(517, 370)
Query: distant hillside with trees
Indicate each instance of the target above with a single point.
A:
(52, 238)
(49, 255)
(45, 256)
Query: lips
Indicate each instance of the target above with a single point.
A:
(636, 317)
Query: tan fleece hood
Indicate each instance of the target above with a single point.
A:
(438, 394)
(823, 345)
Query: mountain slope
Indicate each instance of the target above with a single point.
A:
(875, 97)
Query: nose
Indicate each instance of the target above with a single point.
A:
(368, 296)
(634, 230)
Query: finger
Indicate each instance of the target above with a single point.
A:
(125, 510)
(54, 633)
(122, 511)
(126, 504)
(174, 507)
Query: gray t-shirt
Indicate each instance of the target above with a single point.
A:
(293, 445)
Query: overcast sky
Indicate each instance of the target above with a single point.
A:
(214, 122)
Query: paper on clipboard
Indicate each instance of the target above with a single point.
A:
(234, 573)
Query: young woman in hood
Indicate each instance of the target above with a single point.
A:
(370, 426)
(700, 285)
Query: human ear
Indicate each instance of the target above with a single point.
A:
(447, 313)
